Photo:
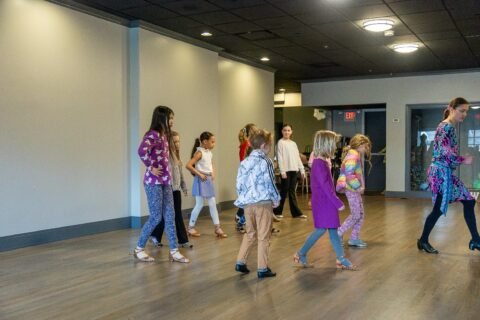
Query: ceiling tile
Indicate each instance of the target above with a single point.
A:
(300, 54)
(189, 7)
(279, 23)
(150, 13)
(433, 27)
(233, 43)
(196, 32)
(238, 27)
(257, 35)
(474, 43)
(469, 27)
(366, 12)
(299, 7)
(259, 12)
(325, 16)
(116, 5)
(233, 4)
(179, 24)
(436, 17)
(415, 6)
(295, 32)
(354, 3)
(452, 34)
(216, 17)
(449, 47)
(273, 43)
(463, 9)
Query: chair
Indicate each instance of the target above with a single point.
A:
(306, 181)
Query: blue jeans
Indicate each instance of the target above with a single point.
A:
(160, 205)
(317, 234)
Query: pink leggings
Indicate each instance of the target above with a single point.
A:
(356, 217)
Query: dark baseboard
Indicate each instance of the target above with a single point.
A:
(408, 194)
(57, 234)
(50, 235)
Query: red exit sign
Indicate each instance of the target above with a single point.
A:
(349, 115)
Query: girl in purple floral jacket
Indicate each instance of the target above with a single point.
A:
(154, 151)
(445, 186)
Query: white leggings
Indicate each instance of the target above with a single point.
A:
(199, 205)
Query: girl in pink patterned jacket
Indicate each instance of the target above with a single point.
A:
(351, 182)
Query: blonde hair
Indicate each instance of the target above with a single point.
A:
(355, 143)
(259, 137)
(176, 152)
(325, 144)
(245, 132)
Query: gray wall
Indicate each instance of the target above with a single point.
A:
(63, 118)
(76, 96)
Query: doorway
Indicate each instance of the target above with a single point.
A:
(371, 121)
(375, 128)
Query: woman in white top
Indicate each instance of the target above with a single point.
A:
(289, 164)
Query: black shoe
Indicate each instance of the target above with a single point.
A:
(424, 245)
(474, 245)
(266, 274)
(242, 268)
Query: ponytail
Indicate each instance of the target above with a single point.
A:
(345, 151)
(446, 113)
(195, 146)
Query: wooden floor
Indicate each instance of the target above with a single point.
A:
(95, 277)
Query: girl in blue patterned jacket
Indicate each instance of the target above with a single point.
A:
(258, 196)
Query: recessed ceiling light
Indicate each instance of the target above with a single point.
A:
(206, 34)
(281, 90)
(378, 25)
(405, 47)
(264, 59)
(475, 107)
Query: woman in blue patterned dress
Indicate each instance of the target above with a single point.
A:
(447, 187)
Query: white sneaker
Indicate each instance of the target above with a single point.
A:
(357, 243)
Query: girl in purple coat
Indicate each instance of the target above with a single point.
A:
(325, 203)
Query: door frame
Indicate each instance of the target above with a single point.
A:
(363, 132)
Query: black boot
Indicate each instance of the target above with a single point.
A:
(242, 268)
(266, 274)
(474, 245)
(424, 245)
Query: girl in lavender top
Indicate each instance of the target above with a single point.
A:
(154, 151)
(447, 187)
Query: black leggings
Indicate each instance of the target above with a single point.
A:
(468, 214)
(182, 235)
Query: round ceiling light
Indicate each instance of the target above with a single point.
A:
(378, 25)
(206, 34)
(405, 47)
(264, 59)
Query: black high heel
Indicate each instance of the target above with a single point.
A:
(474, 245)
(425, 246)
